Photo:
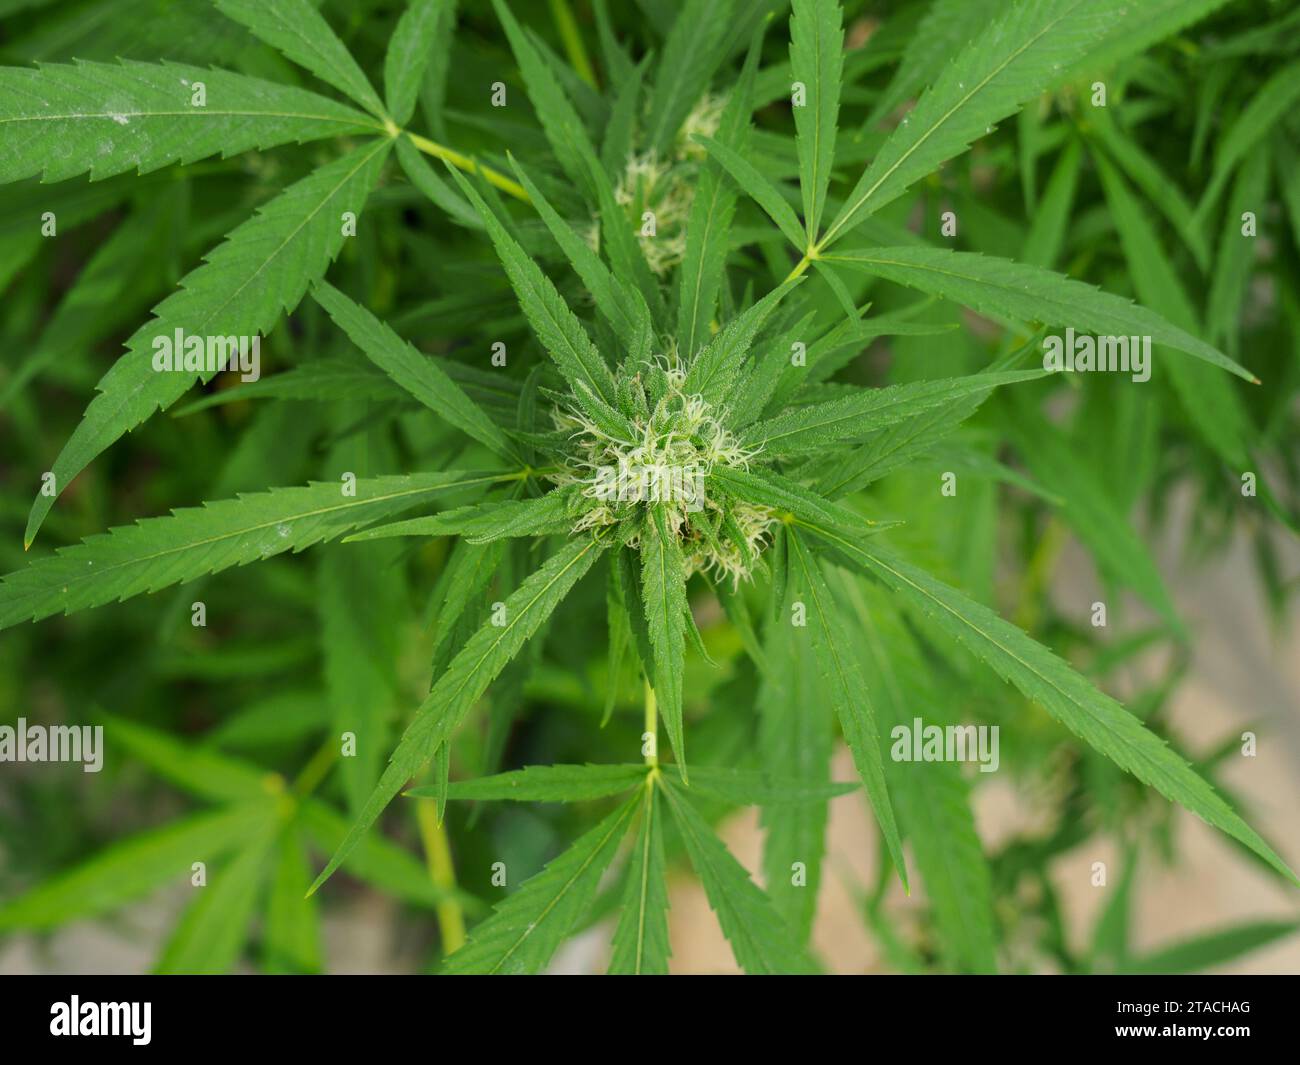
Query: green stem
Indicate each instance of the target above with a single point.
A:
(469, 165)
(437, 854)
(651, 725)
(317, 769)
(802, 265)
(573, 43)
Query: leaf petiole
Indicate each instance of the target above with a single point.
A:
(469, 165)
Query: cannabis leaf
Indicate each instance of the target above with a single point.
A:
(298, 30)
(663, 591)
(641, 939)
(420, 376)
(261, 271)
(1093, 716)
(524, 931)
(1025, 293)
(157, 552)
(103, 118)
(841, 685)
(466, 679)
(1015, 57)
(760, 939)
(409, 51)
(817, 62)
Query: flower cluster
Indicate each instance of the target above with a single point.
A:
(675, 445)
(657, 191)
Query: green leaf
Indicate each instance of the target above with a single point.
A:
(641, 944)
(1216, 411)
(757, 186)
(485, 522)
(1052, 218)
(1045, 679)
(708, 228)
(408, 54)
(211, 934)
(817, 61)
(548, 783)
(322, 380)
(1235, 264)
(469, 570)
(771, 489)
(737, 611)
(1095, 518)
(1214, 948)
(106, 118)
(771, 366)
(1286, 158)
(525, 930)
(1136, 28)
(556, 326)
(561, 123)
(760, 939)
(424, 178)
(663, 591)
(201, 772)
(1112, 931)
(946, 27)
(811, 428)
(896, 446)
(414, 371)
(618, 66)
(134, 867)
(358, 596)
(258, 273)
(701, 272)
(619, 625)
(692, 52)
(1160, 191)
(714, 371)
(465, 680)
(625, 566)
(1018, 55)
(621, 305)
(841, 685)
(378, 861)
(616, 143)
(932, 798)
(157, 552)
(287, 717)
(1001, 287)
(795, 739)
(1268, 106)
(300, 31)
(292, 941)
(108, 290)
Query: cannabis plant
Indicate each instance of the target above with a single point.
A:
(644, 430)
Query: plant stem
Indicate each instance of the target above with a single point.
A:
(802, 265)
(651, 725)
(469, 165)
(567, 28)
(437, 853)
(317, 769)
